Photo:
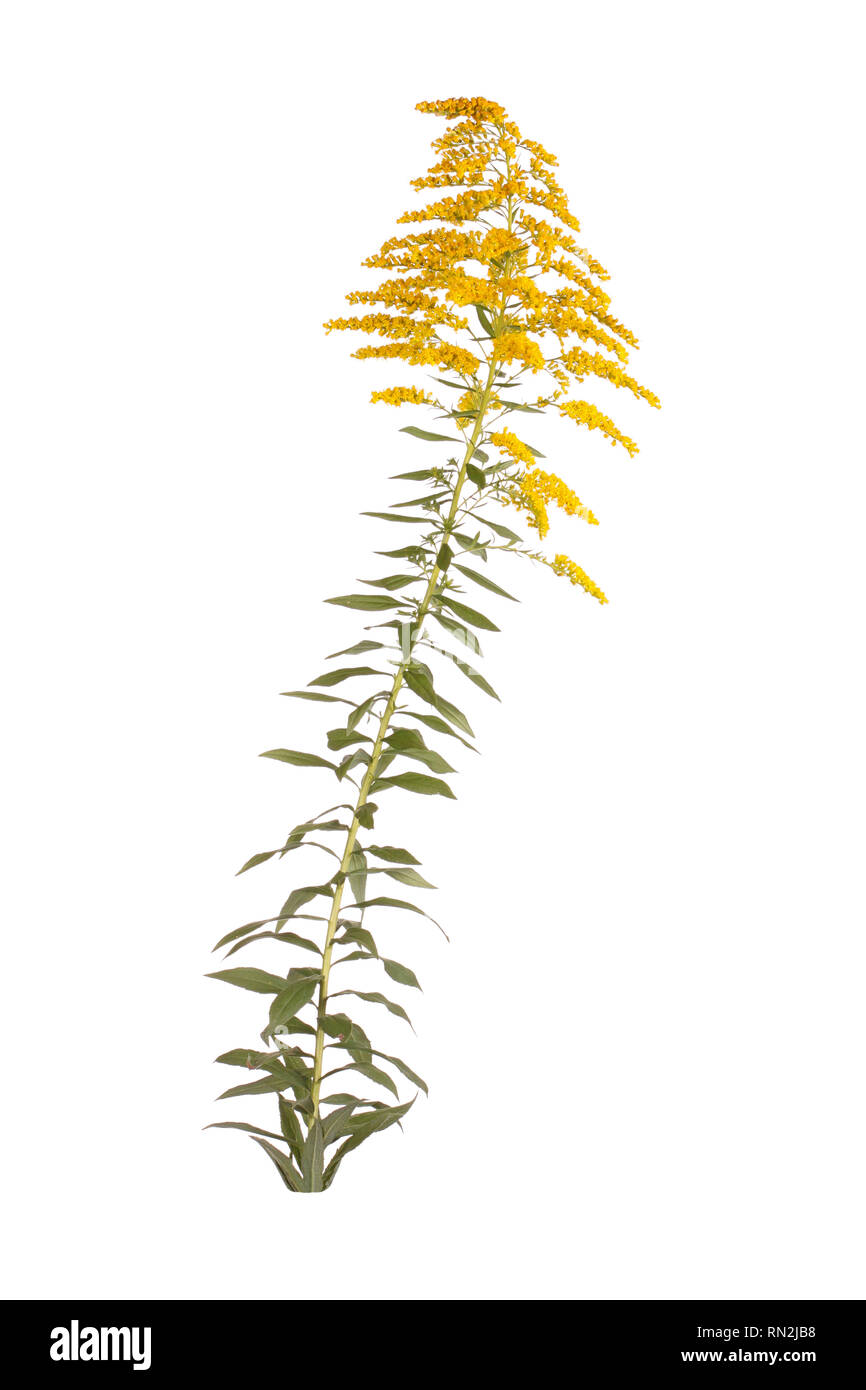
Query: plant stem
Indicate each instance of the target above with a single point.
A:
(388, 711)
(376, 754)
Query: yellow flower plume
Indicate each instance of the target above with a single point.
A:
(497, 244)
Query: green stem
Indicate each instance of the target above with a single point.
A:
(376, 754)
(388, 711)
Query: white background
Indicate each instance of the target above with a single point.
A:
(645, 1041)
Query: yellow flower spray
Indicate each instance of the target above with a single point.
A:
(491, 297)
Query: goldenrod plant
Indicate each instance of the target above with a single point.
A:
(497, 300)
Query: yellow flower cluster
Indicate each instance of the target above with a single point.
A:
(402, 395)
(477, 109)
(550, 488)
(555, 201)
(510, 444)
(594, 299)
(595, 267)
(560, 564)
(524, 289)
(464, 289)
(497, 252)
(471, 167)
(560, 319)
(583, 413)
(385, 325)
(526, 500)
(546, 239)
(408, 295)
(582, 364)
(446, 355)
(497, 243)
(536, 490)
(425, 250)
(540, 153)
(516, 347)
(466, 207)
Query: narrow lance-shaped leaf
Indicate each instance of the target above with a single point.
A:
(289, 755)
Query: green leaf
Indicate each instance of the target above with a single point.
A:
(297, 833)
(392, 516)
(356, 871)
(312, 1162)
(366, 813)
(415, 553)
(401, 973)
(363, 1126)
(248, 977)
(476, 475)
(346, 672)
(288, 755)
(265, 1084)
(293, 1025)
(338, 739)
(404, 738)
(418, 476)
(367, 602)
(444, 556)
(358, 648)
(395, 1062)
(473, 675)
(406, 1070)
(298, 897)
(438, 724)
(288, 938)
(358, 935)
(422, 686)
(485, 583)
(471, 544)
(429, 501)
(410, 877)
(427, 434)
(400, 903)
(469, 615)
(239, 1124)
(381, 1118)
(360, 758)
(392, 854)
(500, 530)
(314, 695)
(483, 319)
(256, 860)
(391, 902)
(372, 1073)
(415, 782)
(361, 711)
(336, 1025)
(375, 998)
(290, 1000)
(284, 1166)
(291, 1128)
(428, 756)
(334, 1127)
(392, 581)
(253, 1061)
(241, 931)
(343, 1099)
(463, 634)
